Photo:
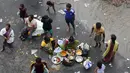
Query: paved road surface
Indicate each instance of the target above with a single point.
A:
(18, 61)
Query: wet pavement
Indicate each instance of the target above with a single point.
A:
(20, 59)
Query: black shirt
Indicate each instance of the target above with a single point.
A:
(47, 24)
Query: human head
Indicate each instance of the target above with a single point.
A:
(99, 64)
(31, 18)
(48, 3)
(45, 17)
(8, 26)
(68, 6)
(22, 5)
(113, 38)
(46, 39)
(98, 25)
(38, 60)
(71, 39)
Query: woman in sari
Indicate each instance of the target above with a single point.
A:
(112, 47)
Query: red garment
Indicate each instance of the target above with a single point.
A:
(110, 55)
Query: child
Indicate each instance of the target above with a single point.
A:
(70, 16)
(50, 4)
(47, 24)
(22, 10)
(100, 67)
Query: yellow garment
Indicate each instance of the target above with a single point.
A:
(43, 44)
(98, 31)
(108, 48)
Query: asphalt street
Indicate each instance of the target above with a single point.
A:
(20, 59)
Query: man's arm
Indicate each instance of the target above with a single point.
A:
(92, 31)
(103, 37)
(31, 68)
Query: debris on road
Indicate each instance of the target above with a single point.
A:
(34, 51)
(105, 14)
(40, 2)
(77, 72)
(35, 55)
(110, 65)
(124, 39)
(35, 15)
(57, 27)
(77, 25)
(128, 67)
(76, 0)
(61, 11)
(126, 72)
(86, 5)
(127, 59)
(1, 20)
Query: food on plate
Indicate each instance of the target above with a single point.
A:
(78, 52)
(58, 59)
(63, 53)
(71, 57)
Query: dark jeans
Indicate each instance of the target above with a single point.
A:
(7, 44)
(31, 32)
(70, 21)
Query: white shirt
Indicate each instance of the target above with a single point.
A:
(32, 23)
(11, 38)
(102, 69)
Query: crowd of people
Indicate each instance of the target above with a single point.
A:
(49, 43)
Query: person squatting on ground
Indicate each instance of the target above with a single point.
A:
(98, 31)
(47, 24)
(31, 25)
(50, 4)
(70, 16)
(22, 12)
(100, 67)
(48, 44)
(39, 67)
(8, 35)
(112, 47)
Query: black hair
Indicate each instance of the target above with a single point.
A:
(99, 64)
(8, 25)
(68, 5)
(49, 3)
(45, 17)
(32, 16)
(71, 39)
(113, 38)
(98, 25)
(38, 60)
(46, 39)
(22, 5)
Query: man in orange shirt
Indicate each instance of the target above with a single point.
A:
(99, 32)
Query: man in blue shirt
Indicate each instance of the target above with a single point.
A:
(70, 16)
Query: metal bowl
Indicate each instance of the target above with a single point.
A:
(79, 59)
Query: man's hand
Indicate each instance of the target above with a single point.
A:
(5, 38)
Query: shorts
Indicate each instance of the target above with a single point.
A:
(69, 21)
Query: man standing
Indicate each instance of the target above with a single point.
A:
(8, 35)
(99, 31)
(47, 21)
(31, 25)
(70, 16)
